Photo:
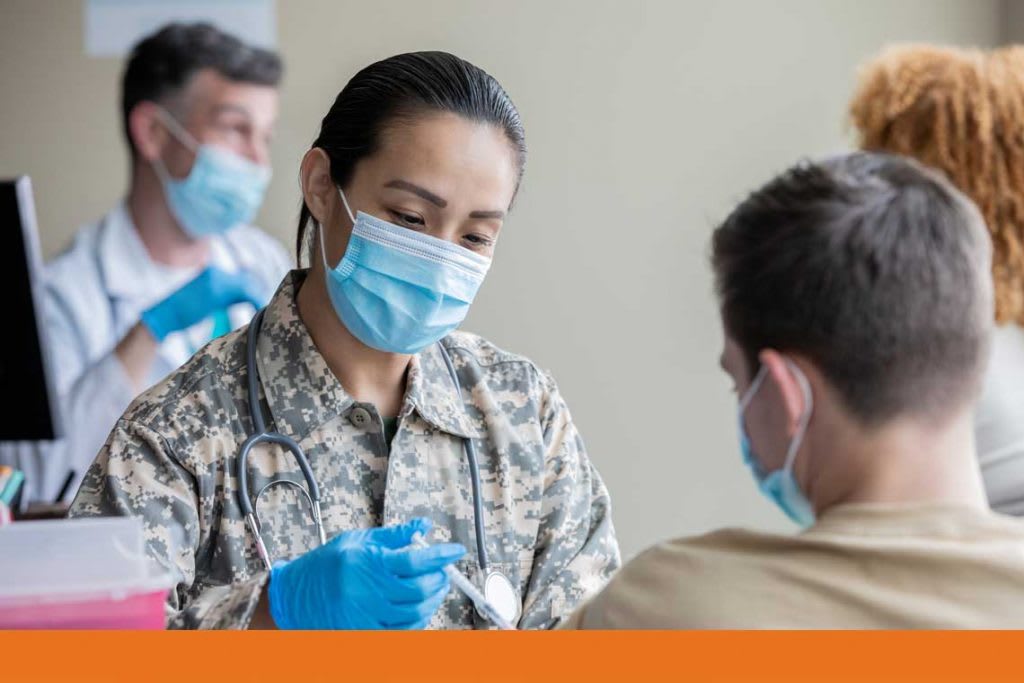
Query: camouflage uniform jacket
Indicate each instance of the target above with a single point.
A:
(171, 460)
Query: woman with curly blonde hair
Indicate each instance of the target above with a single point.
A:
(962, 111)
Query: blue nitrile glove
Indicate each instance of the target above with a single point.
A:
(366, 579)
(211, 291)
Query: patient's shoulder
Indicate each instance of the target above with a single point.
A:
(692, 582)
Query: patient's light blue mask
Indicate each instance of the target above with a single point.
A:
(398, 290)
(780, 486)
(222, 190)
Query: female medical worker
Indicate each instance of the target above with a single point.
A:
(406, 189)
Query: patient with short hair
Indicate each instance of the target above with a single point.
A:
(857, 310)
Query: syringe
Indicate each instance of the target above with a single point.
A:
(472, 592)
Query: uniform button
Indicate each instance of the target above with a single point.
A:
(360, 417)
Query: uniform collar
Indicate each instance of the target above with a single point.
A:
(433, 395)
(302, 393)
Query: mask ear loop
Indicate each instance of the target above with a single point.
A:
(177, 130)
(805, 416)
(344, 201)
(752, 390)
(323, 247)
(179, 133)
(320, 230)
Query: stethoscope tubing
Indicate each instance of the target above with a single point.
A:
(261, 436)
(474, 473)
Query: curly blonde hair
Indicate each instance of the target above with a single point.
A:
(961, 111)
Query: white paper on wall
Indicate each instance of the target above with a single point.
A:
(112, 27)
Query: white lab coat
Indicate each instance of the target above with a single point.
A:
(95, 291)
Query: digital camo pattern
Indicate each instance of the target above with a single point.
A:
(171, 461)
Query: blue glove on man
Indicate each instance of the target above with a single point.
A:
(210, 292)
(365, 579)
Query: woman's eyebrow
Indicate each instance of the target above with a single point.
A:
(424, 193)
(399, 184)
(487, 214)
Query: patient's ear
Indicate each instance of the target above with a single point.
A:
(788, 384)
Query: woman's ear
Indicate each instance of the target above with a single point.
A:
(794, 401)
(318, 188)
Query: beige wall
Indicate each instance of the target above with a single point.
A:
(1013, 21)
(645, 121)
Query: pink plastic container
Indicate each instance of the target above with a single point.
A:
(78, 574)
(143, 610)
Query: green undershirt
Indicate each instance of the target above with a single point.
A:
(390, 429)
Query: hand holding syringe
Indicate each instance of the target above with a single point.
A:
(460, 581)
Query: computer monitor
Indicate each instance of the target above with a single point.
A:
(30, 411)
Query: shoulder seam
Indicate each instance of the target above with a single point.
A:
(506, 361)
(185, 388)
(171, 453)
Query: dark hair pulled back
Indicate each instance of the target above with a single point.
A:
(401, 88)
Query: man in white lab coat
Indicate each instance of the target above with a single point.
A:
(175, 264)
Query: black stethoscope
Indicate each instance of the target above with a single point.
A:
(497, 587)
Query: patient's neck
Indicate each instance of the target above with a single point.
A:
(908, 460)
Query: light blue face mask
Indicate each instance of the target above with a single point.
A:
(398, 290)
(780, 486)
(221, 191)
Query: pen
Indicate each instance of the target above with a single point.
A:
(471, 591)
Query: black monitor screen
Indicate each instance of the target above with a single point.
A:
(29, 407)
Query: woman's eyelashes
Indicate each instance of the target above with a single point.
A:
(413, 221)
(409, 220)
(478, 242)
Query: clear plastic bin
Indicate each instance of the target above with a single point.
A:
(82, 573)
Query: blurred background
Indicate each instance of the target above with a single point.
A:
(646, 120)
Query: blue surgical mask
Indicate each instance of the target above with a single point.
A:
(398, 290)
(221, 191)
(780, 486)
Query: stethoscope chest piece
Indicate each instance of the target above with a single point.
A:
(500, 592)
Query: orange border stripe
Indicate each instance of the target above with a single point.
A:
(490, 657)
